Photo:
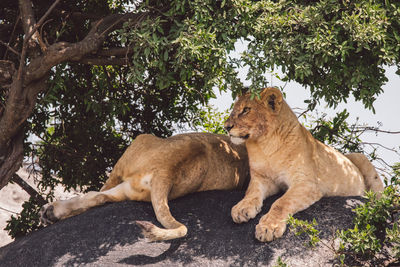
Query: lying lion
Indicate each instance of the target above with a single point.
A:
(283, 155)
(156, 170)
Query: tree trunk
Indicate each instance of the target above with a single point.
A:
(11, 155)
(30, 79)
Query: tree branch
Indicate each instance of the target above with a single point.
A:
(10, 48)
(116, 51)
(29, 189)
(63, 51)
(76, 16)
(108, 57)
(104, 61)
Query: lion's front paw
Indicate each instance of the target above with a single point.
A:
(47, 214)
(270, 229)
(245, 210)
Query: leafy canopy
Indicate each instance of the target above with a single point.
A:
(333, 47)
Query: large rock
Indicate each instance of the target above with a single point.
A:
(108, 236)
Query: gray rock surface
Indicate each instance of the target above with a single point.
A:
(108, 236)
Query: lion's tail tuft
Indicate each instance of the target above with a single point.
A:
(154, 233)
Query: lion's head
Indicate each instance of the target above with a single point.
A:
(254, 117)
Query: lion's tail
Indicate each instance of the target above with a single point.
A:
(371, 177)
(154, 233)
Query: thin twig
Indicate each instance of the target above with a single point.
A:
(383, 162)
(383, 172)
(374, 129)
(304, 112)
(10, 48)
(10, 211)
(12, 34)
(41, 30)
(385, 147)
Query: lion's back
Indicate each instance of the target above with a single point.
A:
(189, 156)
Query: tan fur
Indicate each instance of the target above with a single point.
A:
(155, 169)
(283, 155)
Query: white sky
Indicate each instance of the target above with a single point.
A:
(387, 108)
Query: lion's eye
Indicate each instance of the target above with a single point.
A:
(245, 111)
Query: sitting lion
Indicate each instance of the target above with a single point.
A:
(155, 169)
(283, 155)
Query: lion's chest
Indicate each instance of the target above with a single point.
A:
(268, 170)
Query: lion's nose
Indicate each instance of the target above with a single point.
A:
(228, 126)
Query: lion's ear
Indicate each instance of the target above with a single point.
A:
(244, 90)
(273, 99)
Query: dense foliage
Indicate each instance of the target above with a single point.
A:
(376, 232)
(374, 240)
(333, 47)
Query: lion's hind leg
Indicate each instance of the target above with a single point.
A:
(63, 209)
(159, 200)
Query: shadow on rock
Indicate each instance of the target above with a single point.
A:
(145, 259)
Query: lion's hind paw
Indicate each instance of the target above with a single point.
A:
(47, 214)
